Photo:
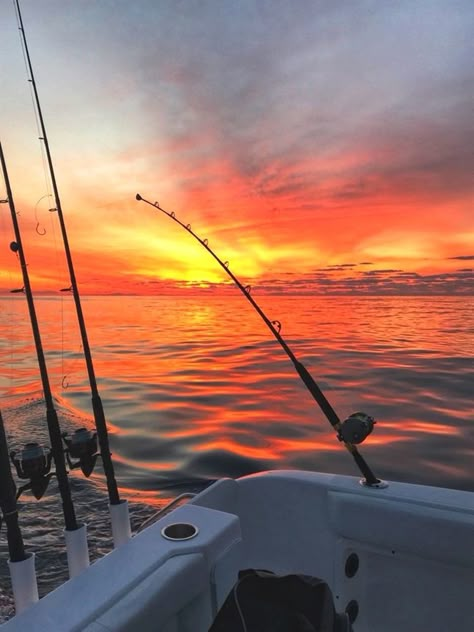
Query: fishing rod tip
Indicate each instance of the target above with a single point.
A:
(138, 197)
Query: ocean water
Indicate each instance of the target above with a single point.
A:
(196, 388)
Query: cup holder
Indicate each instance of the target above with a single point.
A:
(179, 531)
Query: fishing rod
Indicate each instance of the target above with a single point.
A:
(118, 508)
(21, 564)
(351, 431)
(33, 462)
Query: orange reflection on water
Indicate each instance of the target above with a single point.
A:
(235, 447)
(162, 466)
(421, 427)
(431, 428)
(308, 445)
(192, 431)
(186, 382)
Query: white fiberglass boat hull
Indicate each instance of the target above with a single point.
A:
(414, 547)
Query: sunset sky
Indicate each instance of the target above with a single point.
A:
(320, 146)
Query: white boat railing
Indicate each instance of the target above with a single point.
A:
(164, 510)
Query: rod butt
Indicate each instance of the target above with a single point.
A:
(24, 585)
(77, 550)
(121, 531)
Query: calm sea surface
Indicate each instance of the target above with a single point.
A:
(196, 388)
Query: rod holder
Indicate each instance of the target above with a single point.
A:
(77, 550)
(121, 530)
(179, 531)
(24, 584)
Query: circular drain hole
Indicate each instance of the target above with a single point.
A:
(179, 531)
(352, 565)
(352, 610)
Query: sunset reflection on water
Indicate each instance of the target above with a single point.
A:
(196, 387)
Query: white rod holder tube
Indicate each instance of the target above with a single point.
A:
(24, 585)
(121, 530)
(77, 550)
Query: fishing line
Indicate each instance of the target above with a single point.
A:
(59, 274)
(11, 304)
(65, 383)
(51, 414)
(32, 96)
(39, 229)
(120, 520)
(58, 266)
(47, 185)
(356, 427)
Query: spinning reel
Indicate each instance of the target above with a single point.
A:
(356, 428)
(33, 462)
(83, 446)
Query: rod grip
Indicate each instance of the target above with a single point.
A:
(77, 550)
(121, 531)
(24, 584)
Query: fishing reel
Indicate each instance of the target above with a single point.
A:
(356, 428)
(34, 464)
(83, 446)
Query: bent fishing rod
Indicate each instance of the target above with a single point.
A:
(97, 407)
(356, 427)
(51, 414)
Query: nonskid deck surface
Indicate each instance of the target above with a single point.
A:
(410, 548)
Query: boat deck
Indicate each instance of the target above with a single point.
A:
(411, 547)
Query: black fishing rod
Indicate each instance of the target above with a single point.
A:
(21, 564)
(97, 407)
(51, 415)
(356, 427)
(8, 504)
